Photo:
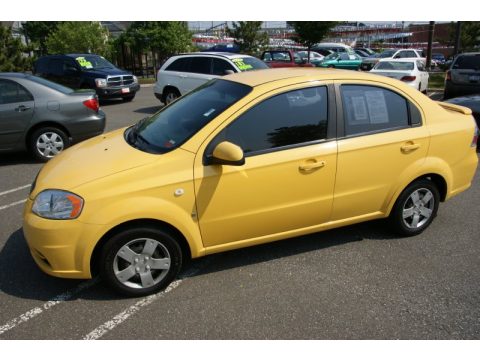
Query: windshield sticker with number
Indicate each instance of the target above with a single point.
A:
(241, 65)
(84, 63)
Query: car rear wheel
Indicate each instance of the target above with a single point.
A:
(415, 208)
(140, 261)
(171, 95)
(47, 142)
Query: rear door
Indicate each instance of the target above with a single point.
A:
(381, 141)
(16, 111)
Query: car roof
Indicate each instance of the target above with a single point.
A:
(77, 55)
(14, 75)
(410, 59)
(260, 77)
(227, 55)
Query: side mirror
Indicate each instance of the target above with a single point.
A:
(229, 72)
(71, 70)
(227, 153)
(397, 56)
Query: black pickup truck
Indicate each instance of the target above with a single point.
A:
(88, 71)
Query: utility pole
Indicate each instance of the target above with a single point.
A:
(458, 30)
(431, 28)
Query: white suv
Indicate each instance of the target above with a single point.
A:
(183, 73)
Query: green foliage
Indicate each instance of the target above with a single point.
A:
(248, 37)
(165, 37)
(308, 33)
(12, 56)
(470, 35)
(78, 37)
(37, 33)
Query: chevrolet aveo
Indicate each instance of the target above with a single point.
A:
(244, 160)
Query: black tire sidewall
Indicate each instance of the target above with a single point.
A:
(396, 216)
(37, 133)
(113, 245)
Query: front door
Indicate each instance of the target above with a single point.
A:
(288, 179)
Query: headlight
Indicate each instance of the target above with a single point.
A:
(135, 79)
(101, 83)
(57, 204)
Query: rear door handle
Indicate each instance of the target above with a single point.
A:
(22, 108)
(410, 147)
(312, 166)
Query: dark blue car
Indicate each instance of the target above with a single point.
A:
(88, 71)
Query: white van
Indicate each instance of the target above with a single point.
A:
(335, 47)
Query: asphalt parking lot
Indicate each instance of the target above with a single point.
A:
(358, 282)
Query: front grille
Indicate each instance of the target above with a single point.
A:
(120, 80)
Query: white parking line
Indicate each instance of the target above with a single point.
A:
(46, 306)
(12, 204)
(13, 190)
(124, 315)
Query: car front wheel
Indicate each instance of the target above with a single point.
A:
(140, 261)
(416, 207)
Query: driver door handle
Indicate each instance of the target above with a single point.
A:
(410, 147)
(312, 166)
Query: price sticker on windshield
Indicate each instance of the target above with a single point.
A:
(84, 63)
(241, 64)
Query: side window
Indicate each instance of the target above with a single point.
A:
(267, 56)
(69, 65)
(415, 115)
(12, 92)
(200, 65)
(221, 66)
(344, 56)
(55, 67)
(290, 118)
(371, 109)
(178, 65)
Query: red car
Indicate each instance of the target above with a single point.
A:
(283, 58)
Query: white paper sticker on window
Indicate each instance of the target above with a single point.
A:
(360, 115)
(377, 107)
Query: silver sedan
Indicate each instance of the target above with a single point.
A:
(44, 117)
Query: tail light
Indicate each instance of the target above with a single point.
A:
(92, 104)
(448, 75)
(475, 138)
(408, 78)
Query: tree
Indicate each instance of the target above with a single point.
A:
(470, 35)
(37, 32)
(78, 37)
(248, 36)
(308, 33)
(12, 56)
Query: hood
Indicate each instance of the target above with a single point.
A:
(99, 157)
(102, 73)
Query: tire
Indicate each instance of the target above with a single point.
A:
(411, 215)
(46, 142)
(170, 96)
(128, 261)
(128, 98)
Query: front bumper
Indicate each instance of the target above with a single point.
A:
(61, 248)
(117, 91)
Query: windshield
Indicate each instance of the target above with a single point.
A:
(50, 84)
(174, 124)
(249, 63)
(394, 65)
(93, 62)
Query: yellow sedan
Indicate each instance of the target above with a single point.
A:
(244, 160)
